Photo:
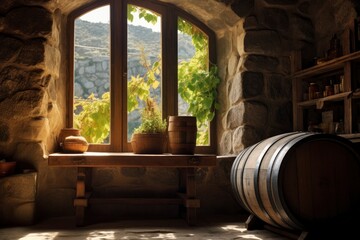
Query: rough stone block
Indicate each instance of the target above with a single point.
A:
(17, 199)
(235, 90)
(21, 20)
(252, 84)
(10, 47)
(23, 109)
(32, 53)
(17, 213)
(246, 136)
(8, 4)
(279, 87)
(35, 130)
(225, 144)
(243, 8)
(251, 22)
(302, 29)
(234, 116)
(255, 62)
(262, 42)
(281, 2)
(246, 85)
(56, 201)
(275, 18)
(256, 114)
(4, 133)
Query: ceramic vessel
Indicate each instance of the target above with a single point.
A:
(7, 168)
(66, 132)
(148, 142)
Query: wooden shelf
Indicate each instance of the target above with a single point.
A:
(356, 94)
(348, 67)
(320, 101)
(354, 137)
(328, 66)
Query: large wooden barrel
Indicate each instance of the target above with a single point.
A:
(298, 180)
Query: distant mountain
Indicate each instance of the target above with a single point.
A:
(92, 39)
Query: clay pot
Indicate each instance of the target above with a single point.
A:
(75, 144)
(66, 132)
(148, 142)
(7, 168)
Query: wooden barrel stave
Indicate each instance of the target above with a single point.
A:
(285, 217)
(235, 179)
(264, 185)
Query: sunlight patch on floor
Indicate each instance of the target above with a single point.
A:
(40, 236)
(152, 236)
(250, 236)
(234, 228)
(100, 235)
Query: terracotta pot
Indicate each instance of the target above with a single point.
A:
(148, 142)
(75, 144)
(7, 168)
(66, 132)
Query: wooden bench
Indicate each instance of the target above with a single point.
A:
(187, 164)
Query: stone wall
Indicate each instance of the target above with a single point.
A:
(258, 93)
(254, 41)
(92, 75)
(31, 107)
(18, 199)
(28, 71)
(255, 60)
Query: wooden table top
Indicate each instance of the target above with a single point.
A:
(128, 159)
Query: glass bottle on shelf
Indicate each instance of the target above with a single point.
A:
(339, 127)
(336, 87)
(313, 88)
(341, 87)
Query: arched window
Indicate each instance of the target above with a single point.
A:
(124, 51)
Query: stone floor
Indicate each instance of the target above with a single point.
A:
(211, 228)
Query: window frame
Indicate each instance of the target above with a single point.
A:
(118, 72)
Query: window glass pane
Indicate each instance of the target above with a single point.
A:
(193, 62)
(92, 75)
(143, 62)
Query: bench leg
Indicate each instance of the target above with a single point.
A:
(188, 188)
(80, 201)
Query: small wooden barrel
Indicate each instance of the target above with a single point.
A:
(298, 180)
(182, 132)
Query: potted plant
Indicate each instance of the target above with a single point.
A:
(150, 136)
